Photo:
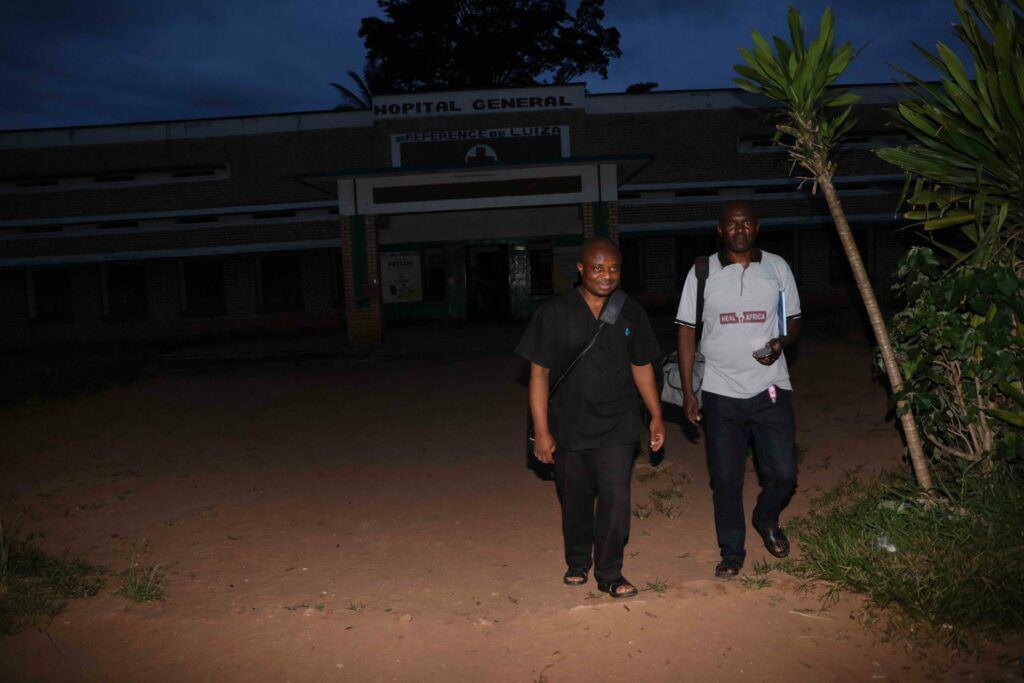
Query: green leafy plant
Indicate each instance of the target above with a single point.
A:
(946, 566)
(961, 347)
(813, 118)
(35, 587)
(966, 171)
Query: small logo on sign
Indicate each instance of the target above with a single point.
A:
(745, 317)
(481, 154)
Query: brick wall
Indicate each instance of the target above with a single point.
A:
(594, 212)
(169, 239)
(263, 170)
(661, 274)
(240, 287)
(701, 145)
(318, 288)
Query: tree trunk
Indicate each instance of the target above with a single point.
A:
(917, 457)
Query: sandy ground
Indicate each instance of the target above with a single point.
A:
(373, 520)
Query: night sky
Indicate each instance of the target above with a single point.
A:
(65, 63)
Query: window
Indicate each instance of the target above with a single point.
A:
(52, 291)
(115, 179)
(126, 293)
(204, 288)
(281, 283)
(196, 220)
(117, 225)
(435, 287)
(541, 270)
(268, 215)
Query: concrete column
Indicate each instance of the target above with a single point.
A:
(361, 268)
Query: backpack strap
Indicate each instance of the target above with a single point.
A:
(701, 267)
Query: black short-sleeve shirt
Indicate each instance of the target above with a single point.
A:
(597, 405)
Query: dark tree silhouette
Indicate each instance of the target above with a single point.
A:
(436, 44)
(641, 87)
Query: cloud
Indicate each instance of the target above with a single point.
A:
(64, 62)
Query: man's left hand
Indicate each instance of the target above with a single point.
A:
(776, 346)
(657, 435)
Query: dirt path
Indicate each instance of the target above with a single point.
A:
(374, 521)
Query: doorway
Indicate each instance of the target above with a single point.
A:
(487, 282)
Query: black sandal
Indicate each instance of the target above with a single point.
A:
(612, 588)
(575, 576)
(775, 541)
(728, 567)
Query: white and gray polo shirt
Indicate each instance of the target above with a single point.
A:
(741, 314)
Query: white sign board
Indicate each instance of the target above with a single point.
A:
(478, 135)
(400, 276)
(469, 102)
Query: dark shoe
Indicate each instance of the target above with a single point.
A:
(575, 576)
(613, 588)
(728, 567)
(775, 540)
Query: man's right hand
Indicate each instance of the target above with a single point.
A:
(691, 408)
(544, 447)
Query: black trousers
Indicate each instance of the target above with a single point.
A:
(595, 535)
(730, 423)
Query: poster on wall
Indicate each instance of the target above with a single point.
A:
(564, 273)
(400, 275)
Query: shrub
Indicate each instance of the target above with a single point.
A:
(960, 344)
(35, 586)
(951, 562)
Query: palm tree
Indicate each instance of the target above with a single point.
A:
(366, 85)
(969, 163)
(813, 118)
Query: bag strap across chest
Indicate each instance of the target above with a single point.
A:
(609, 315)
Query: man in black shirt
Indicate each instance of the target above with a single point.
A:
(591, 426)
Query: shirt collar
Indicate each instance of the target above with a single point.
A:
(723, 257)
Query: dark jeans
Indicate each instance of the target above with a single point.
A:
(600, 538)
(729, 424)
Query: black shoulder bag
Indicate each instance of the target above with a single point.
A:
(609, 315)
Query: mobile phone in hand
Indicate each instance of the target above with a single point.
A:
(763, 352)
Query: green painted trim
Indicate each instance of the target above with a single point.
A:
(360, 262)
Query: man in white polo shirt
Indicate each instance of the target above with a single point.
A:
(746, 391)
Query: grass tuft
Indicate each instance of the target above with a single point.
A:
(755, 582)
(641, 511)
(35, 586)
(949, 564)
(142, 583)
